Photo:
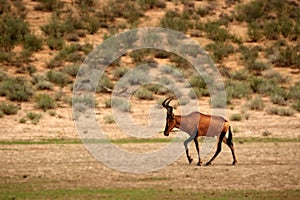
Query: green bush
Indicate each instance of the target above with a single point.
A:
(294, 91)
(109, 119)
(144, 94)
(49, 5)
(32, 43)
(220, 50)
(249, 53)
(280, 111)
(44, 102)
(105, 84)
(59, 78)
(251, 11)
(240, 75)
(216, 33)
(288, 57)
(12, 30)
(34, 117)
(120, 71)
(236, 117)
(16, 89)
(55, 43)
(256, 66)
(254, 31)
(256, 104)
(120, 104)
(296, 105)
(8, 108)
(173, 20)
(72, 69)
(237, 89)
(271, 30)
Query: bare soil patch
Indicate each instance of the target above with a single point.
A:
(261, 166)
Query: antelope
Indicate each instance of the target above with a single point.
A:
(198, 124)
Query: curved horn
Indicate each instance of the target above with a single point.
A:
(164, 102)
(168, 102)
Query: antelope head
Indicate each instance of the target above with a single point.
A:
(170, 121)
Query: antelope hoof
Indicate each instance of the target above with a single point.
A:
(190, 159)
(234, 163)
(208, 163)
(199, 164)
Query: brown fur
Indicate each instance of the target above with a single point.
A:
(197, 124)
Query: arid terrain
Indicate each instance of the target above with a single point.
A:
(42, 155)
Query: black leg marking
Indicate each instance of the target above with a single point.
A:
(197, 148)
(219, 148)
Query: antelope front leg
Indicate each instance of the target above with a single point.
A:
(186, 142)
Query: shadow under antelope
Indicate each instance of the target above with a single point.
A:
(198, 124)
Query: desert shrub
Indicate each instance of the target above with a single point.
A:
(16, 89)
(296, 105)
(220, 50)
(109, 119)
(144, 94)
(93, 25)
(57, 77)
(195, 93)
(240, 75)
(219, 101)
(44, 101)
(23, 120)
(44, 85)
(12, 30)
(203, 11)
(216, 33)
(251, 11)
(175, 21)
(135, 77)
(49, 5)
(278, 93)
(294, 91)
(276, 76)
(249, 53)
(81, 103)
(280, 111)
(105, 84)
(72, 69)
(254, 31)
(285, 25)
(8, 108)
(54, 28)
(256, 104)
(236, 117)
(157, 89)
(120, 104)
(34, 117)
(256, 66)
(237, 89)
(55, 43)
(288, 57)
(197, 81)
(120, 71)
(271, 30)
(32, 43)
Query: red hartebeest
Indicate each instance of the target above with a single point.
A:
(198, 124)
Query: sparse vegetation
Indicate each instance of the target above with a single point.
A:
(256, 104)
(8, 108)
(236, 117)
(34, 117)
(44, 101)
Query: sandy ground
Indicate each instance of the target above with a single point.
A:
(260, 166)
